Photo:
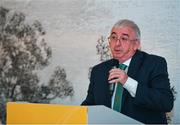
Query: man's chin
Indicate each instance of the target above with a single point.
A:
(116, 57)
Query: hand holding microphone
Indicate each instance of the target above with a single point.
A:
(117, 75)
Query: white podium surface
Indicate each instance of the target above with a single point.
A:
(104, 115)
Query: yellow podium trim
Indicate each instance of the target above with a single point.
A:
(31, 113)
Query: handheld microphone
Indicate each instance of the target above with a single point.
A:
(115, 64)
(111, 88)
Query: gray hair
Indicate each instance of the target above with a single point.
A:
(129, 23)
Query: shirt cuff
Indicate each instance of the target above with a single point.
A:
(131, 86)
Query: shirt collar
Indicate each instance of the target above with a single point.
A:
(127, 62)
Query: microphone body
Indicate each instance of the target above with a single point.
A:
(111, 88)
(115, 64)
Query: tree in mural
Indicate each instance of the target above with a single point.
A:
(23, 51)
(103, 49)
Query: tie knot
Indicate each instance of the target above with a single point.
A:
(122, 66)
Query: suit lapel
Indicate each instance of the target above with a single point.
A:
(133, 69)
(135, 63)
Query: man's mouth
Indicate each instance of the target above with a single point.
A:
(117, 50)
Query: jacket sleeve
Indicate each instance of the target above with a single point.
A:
(157, 95)
(90, 94)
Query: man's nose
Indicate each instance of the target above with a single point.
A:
(118, 42)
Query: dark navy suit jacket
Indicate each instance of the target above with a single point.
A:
(153, 95)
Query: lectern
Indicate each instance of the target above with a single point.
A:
(32, 113)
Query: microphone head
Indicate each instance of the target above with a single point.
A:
(115, 63)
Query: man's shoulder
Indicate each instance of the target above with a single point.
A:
(152, 57)
(106, 65)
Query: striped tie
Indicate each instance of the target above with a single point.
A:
(119, 92)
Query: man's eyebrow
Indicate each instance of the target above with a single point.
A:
(124, 34)
(113, 33)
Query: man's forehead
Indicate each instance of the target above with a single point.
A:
(124, 34)
(122, 30)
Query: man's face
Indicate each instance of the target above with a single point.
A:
(123, 43)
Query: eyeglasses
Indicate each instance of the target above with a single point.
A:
(123, 38)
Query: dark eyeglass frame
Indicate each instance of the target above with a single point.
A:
(123, 38)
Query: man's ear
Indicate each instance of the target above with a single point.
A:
(137, 45)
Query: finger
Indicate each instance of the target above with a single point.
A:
(117, 72)
(114, 81)
(114, 76)
(114, 73)
(111, 82)
(114, 70)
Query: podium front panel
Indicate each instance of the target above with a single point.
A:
(104, 115)
(32, 113)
